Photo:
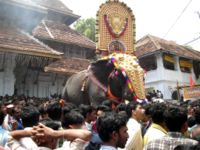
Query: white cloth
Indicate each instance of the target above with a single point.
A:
(77, 144)
(23, 143)
(7, 122)
(106, 147)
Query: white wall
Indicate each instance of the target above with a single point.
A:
(47, 84)
(7, 77)
(166, 80)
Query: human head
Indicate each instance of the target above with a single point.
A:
(9, 107)
(176, 119)
(102, 109)
(49, 142)
(73, 120)
(157, 112)
(43, 111)
(54, 110)
(120, 107)
(107, 103)
(30, 116)
(88, 112)
(17, 111)
(147, 112)
(112, 129)
(135, 110)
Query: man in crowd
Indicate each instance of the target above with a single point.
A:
(112, 131)
(176, 122)
(135, 113)
(157, 128)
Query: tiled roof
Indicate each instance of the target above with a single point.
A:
(150, 44)
(55, 5)
(61, 33)
(14, 40)
(68, 65)
(26, 3)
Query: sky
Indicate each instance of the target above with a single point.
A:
(173, 20)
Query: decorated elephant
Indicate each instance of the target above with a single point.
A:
(117, 77)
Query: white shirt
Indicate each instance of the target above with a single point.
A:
(106, 147)
(77, 144)
(24, 143)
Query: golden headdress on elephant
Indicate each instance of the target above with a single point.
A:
(115, 39)
(131, 70)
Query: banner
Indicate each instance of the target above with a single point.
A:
(169, 58)
(185, 63)
(191, 93)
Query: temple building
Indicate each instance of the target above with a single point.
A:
(35, 34)
(168, 65)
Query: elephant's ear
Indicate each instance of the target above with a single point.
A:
(101, 69)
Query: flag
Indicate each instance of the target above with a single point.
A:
(191, 81)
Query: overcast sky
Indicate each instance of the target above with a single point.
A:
(154, 17)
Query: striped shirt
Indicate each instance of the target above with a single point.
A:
(169, 142)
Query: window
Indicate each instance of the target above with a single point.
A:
(169, 61)
(148, 63)
(185, 65)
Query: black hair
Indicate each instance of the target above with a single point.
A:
(107, 103)
(157, 112)
(120, 107)
(197, 116)
(104, 108)
(68, 107)
(85, 109)
(50, 123)
(42, 109)
(148, 109)
(72, 118)
(54, 110)
(1, 117)
(131, 106)
(109, 122)
(30, 116)
(174, 118)
(191, 121)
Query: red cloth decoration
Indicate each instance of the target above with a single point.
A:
(192, 83)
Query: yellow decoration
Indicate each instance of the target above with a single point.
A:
(185, 63)
(132, 69)
(118, 13)
(169, 58)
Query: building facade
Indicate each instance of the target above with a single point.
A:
(167, 65)
(39, 37)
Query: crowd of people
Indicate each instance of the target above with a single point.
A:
(45, 124)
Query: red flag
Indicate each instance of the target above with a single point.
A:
(191, 81)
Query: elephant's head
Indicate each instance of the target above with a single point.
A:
(118, 86)
(121, 74)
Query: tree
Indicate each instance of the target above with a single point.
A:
(86, 27)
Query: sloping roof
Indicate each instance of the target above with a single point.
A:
(14, 40)
(23, 14)
(150, 44)
(55, 5)
(61, 33)
(68, 65)
(26, 3)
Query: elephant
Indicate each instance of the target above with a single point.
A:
(101, 81)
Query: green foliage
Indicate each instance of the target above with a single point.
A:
(86, 27)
